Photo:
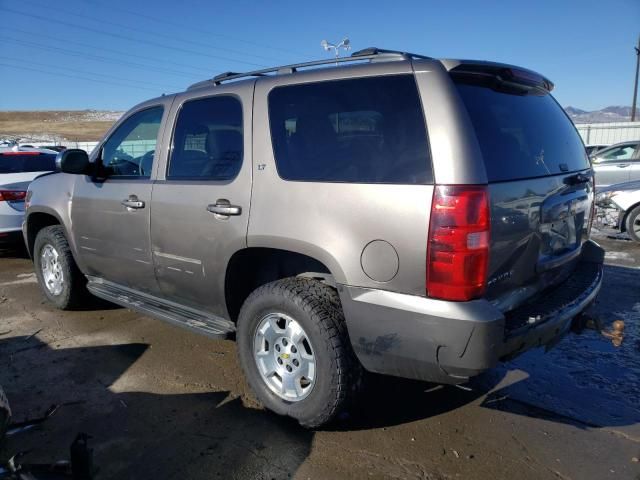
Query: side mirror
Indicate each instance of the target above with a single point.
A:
(73, 160)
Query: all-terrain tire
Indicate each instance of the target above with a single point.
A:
(316, 307)
(74, 293)
(633, 224)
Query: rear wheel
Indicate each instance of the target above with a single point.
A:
(633, 224)
(58, 275)
(295, 351)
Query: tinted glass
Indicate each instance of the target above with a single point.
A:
(130, 150)
(208, 140)
(367, 130)
(522, 136)
(16, 163)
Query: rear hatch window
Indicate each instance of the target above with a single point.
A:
(522, 135)
(19, 162)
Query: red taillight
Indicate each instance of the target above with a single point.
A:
(458, 246)
(12, 195)
(592, 212)
(529, 78)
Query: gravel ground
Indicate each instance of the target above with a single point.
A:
(160, 402)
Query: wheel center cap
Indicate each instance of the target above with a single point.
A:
(285, 356)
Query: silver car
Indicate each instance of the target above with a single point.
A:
(618, 163)
(594, 148)
(395, 213)
(618, 208)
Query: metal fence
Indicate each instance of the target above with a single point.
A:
(608, 133)
(135, 148)
(87, 146)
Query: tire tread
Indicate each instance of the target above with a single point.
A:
(76, 295)
(631, 217)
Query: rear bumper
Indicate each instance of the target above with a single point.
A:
(449, 342)
(10, 218)
(10, 237)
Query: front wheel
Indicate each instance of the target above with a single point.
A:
(633, 224)
(295, 351)
(58, 275)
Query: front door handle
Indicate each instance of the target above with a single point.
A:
(133, 202)
(622, 165)
(224, 208)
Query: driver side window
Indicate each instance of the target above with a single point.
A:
(130, 150)
(617, 154)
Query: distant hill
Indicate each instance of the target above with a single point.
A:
(608, 114)
(56, 125)
(91, 125)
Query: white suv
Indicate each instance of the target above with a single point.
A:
(18, 167)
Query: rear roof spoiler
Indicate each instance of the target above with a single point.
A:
(502, 72)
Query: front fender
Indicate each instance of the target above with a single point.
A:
(626, 200)
(50, 195)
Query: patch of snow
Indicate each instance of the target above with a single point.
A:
(619, 256)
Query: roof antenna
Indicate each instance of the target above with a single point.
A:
(345, 43)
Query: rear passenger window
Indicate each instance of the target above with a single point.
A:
(207, 141)
(366, 130)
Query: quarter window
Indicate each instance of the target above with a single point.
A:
(366, 130)
(130, 150)
(208, 142)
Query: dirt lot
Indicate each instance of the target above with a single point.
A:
(161, 402)
(77, 126)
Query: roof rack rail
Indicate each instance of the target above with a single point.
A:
(371, 53)
(381, 51)
(218, 79)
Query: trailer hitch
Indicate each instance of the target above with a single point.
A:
(587, 322)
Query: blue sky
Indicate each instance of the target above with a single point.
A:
(111, 54)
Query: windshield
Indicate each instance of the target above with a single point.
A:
(17, 162)
(522, 135)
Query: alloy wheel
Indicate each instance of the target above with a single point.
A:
(284, 357)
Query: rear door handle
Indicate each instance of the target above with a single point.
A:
(622, 165)
(133, 202)
(223, 207)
